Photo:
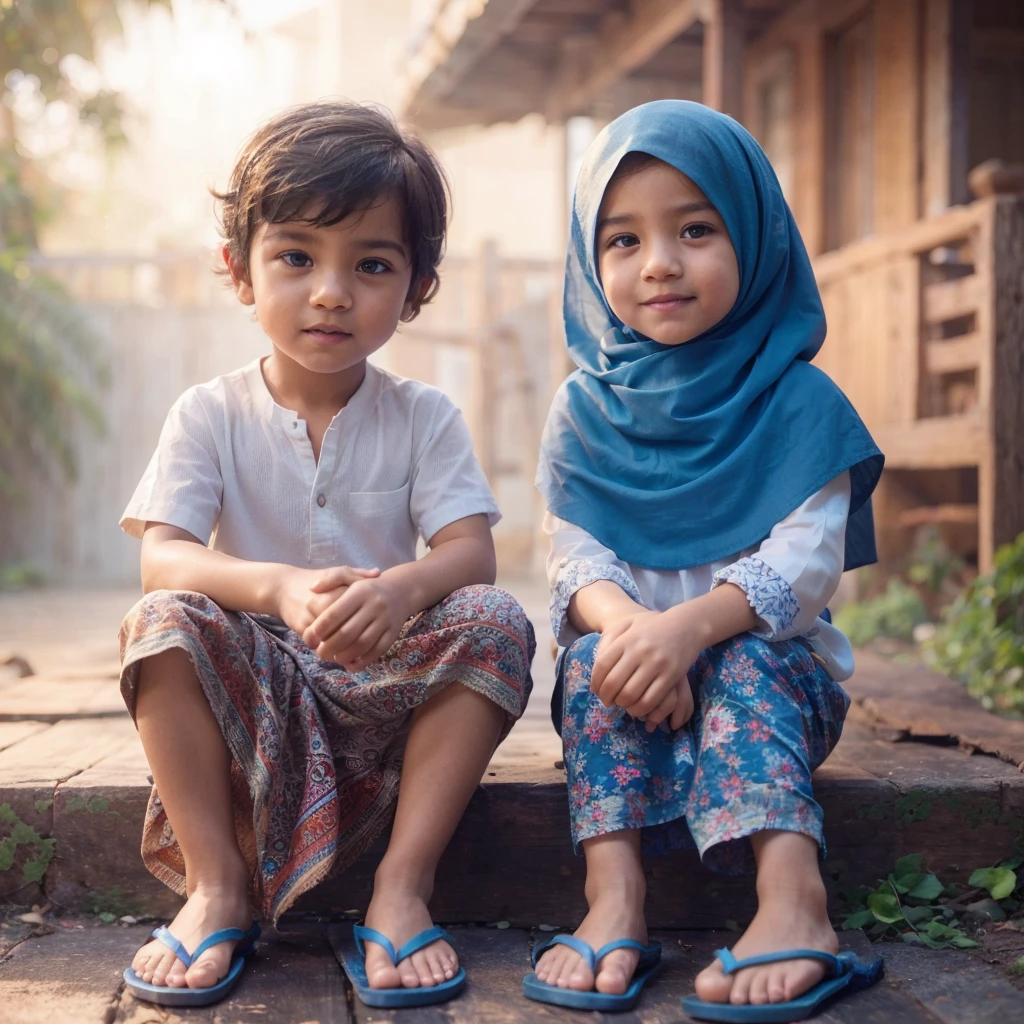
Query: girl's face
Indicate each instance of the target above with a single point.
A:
(667, 266)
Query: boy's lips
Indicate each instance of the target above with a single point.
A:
(326, 333)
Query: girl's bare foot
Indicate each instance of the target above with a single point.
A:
(791, 915)
(615, 893)
(210, 907)
(399, 911)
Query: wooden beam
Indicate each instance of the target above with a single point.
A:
(621, 44)
(953, 355)
(941, 442)
(724, 28)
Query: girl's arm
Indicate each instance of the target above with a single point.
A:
(598, 606)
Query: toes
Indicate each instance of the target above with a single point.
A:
(759, 988)
(615, 973)
(713, 985)
(435, 965)
(161, 969)
(408, 975)
(177, 975)
(777, 988)
(740, 993)
(421, 965)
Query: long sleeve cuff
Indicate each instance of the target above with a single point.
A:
(575, 575)
(770, 596)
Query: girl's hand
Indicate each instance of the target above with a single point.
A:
(304, 594)
(642, 664)
(357, 628)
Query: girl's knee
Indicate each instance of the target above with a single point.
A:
(579, 664)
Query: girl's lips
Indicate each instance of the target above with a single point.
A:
(668, 303)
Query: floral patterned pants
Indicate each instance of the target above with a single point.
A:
(766, 715)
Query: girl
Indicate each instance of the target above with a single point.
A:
(293, 670)
(706, 487)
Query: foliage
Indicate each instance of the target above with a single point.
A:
(913, 905)
(892, 614)
(19, 575)
(981, 638)
(49, 370)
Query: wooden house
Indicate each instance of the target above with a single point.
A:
(874, 114)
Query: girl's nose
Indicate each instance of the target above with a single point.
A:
(331, 291)
(662, 262)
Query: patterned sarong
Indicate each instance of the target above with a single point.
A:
(317, 751)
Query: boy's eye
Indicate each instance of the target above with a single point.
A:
(623, 242)
(373, 266)
(697, 231)
(296, 259)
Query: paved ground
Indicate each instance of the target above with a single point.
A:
(72, 975)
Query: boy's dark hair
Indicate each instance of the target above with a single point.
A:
(334, 159)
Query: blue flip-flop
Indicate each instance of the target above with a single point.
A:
(352, 955)
(165, 995)
(847, 973)
(647, 966)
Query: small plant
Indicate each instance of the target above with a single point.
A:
(913, 905)
(980, 640)
(892, 614)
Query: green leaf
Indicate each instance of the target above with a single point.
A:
(909, 865)
(1000, 882)
(929, 888)
(962, 942)
(107, 918)
(918, 915)
(885, 907)
(861, 919)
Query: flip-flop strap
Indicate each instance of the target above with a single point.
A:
(363, 934)
(731, 965)
(425, 938)
(609, 947)
(161, 934)
(228, 935)
(584, 949)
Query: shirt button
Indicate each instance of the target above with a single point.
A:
(321, 500)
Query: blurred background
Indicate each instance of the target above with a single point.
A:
(896, 128)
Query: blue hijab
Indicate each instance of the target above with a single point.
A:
(677, 456)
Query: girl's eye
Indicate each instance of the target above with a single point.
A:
(623, 242)
(373, 266)
(697, 231)
(296, 259)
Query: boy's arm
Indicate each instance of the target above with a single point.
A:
(173, 559)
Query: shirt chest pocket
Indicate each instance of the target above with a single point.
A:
(386, 506)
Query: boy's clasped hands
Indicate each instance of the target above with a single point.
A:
(347, 615)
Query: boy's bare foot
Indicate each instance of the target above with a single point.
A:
(399, 911)
(209, 908)
(791, 915)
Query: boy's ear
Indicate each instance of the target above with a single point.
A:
(416, 295)
(239, 277)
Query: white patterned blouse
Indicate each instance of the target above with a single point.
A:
(789, 578)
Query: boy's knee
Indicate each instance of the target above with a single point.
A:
(481, 603)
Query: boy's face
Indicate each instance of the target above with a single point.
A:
(328, 297)
(667, 265)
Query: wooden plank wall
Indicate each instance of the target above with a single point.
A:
(806, 30)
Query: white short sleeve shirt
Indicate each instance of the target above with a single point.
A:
(237, 471)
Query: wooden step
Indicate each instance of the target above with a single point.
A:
(940, 515)
(903, 779)
(940, 442)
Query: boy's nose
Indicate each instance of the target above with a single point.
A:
(331, 291)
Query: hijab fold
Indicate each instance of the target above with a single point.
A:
(678, 456)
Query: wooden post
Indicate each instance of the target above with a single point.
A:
(723, 56)
(484, 311)
(947, 40)
(1001, 482)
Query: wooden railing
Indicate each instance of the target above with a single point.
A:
(926, 337)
